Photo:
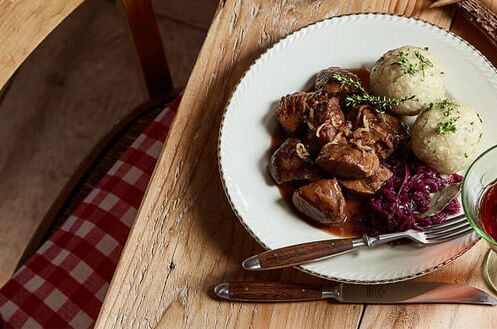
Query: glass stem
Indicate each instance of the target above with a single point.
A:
(490, 270)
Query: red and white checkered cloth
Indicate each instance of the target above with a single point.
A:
(64, 284)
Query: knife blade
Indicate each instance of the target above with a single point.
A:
(414, 292)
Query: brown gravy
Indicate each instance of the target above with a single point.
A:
(363, 74)
(354, 206)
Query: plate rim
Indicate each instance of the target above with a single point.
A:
(229, 101)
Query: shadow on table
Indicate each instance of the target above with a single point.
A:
(223, 236)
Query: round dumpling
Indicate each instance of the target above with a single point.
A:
(406, 72)
(447, 136)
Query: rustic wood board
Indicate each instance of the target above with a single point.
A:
(186, 238)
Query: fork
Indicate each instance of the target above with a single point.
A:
(452, 228)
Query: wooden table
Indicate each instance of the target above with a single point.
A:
(186, 238)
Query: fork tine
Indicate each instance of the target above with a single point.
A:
(447, 222)
(441, 233)
(452, 236)
(452, 225)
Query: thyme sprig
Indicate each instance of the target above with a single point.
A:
(380, 103)
(345, 80)
(447, 126)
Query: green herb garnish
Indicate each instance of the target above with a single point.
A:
(380, 103)
(345, 80)
(403, 62)
(423, 61)
(447, 126)
(445, 105)
(407, 67)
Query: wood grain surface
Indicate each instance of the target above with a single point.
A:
(303, 253)
(23, 25)
(62, 100)
(481, 16)
(186, 238)
(142, 23)
(269, 291)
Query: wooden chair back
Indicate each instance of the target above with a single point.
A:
(148, 45)
(20, 36)
(24, 24)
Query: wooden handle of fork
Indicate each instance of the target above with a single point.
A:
(297, 254)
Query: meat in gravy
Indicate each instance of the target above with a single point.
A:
(332, 145)
(291, 161)
(326, 82)
(294, 109)
(325, 122)
(321, 201)
(347, 161)
(369, 185)
(384, 133)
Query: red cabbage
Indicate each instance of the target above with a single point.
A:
(395, 207)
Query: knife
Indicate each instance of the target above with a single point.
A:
(415, 292)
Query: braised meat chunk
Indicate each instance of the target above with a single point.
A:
(291, 161)
(343, 142)
(294, 108)
(325, 121)
(328, 111)
(369, 185)
(347, 161)
(321, 201)
(383, 132)
(326, 81)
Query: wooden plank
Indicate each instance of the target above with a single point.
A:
(465, 270)
(23, 25)
(186, 238)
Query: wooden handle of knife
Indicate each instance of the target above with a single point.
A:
(297, 254)
(264, 291)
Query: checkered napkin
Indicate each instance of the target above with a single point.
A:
(64, 283)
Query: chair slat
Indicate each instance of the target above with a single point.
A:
(148, 45)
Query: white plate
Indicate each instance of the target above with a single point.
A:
(346, 41)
